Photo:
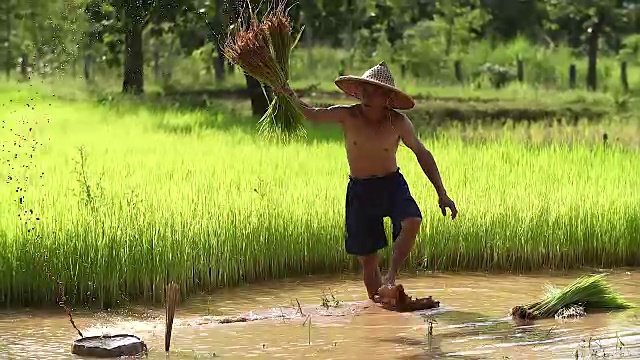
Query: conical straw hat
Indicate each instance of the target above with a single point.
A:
(379, 75)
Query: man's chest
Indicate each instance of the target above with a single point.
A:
(371, 137)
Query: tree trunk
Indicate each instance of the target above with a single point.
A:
(448, 39)
(594, 36)
(9, 55)
(134, 62)
(231, 16)
(617, 37)
(350, 38)
(218, 64)
(259, 103)
(219, 60)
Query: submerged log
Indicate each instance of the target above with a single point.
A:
(109, 346)
(393, 297)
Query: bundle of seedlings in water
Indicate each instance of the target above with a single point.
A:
(262, 49)
(591, 293)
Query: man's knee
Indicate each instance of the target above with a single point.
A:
(411, 226)
(369, 262)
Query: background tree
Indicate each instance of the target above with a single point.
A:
(120, 25)
(586, 22)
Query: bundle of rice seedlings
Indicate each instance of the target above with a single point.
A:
(250, 49)
(588, 292)
(263, 50)
(283, 117)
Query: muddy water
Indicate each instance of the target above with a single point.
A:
(470, 324)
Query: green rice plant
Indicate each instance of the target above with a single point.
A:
(590, 292)
(215, 206)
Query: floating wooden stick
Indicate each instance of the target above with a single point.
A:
(299, 308)
(60, 298)
(172, 291)
(309, 329)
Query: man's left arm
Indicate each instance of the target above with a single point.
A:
(427, 162)
(407, 133)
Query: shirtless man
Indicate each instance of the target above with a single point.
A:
(376, 189)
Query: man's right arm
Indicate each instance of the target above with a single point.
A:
(336, 113)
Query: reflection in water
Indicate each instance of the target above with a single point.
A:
(472, 323)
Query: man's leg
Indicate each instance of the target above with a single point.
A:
(402, 246)
(364, 232)
(365, 235)
(371, 272)
(406, 218)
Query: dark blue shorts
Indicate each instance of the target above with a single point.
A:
(370, 200)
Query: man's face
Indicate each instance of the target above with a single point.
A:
(374, 96)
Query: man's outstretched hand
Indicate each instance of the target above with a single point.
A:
(445, 202)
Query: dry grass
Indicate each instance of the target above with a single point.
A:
(249, 49)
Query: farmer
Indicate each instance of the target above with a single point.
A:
(376, 188)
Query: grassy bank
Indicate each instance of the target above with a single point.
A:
(517, 103)
(543, 94)
(439, 105)
(193, 196)
(317, 66)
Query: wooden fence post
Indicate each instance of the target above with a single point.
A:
(24, 66)
(74, 65)
(87, 67)
(457, 69)
(623, 76)
(572, 76)
(156, 63)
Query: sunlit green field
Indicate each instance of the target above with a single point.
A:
(125, 197)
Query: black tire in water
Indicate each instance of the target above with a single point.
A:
(109, 346)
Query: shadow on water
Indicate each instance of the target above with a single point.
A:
(430, 349)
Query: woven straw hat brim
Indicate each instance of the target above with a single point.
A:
(351, 85)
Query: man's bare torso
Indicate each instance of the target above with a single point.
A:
(371, 144)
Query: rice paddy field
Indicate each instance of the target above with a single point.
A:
(113, 199)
